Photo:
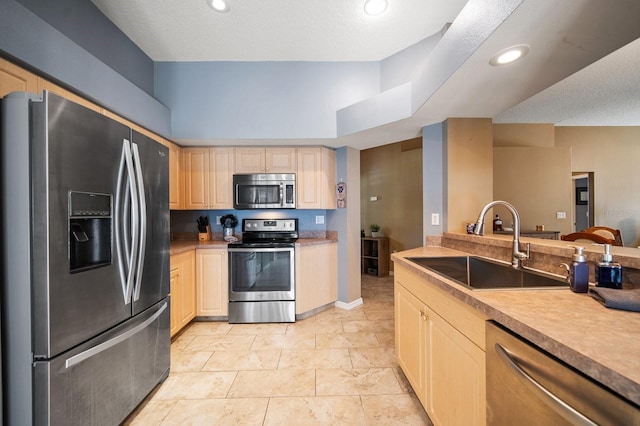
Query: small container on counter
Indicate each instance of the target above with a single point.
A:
(578, 271)
(497, 224)
(607, 272)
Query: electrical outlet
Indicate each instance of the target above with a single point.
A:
(218, 220)
(319, 220)
(435, 219)
(561, 215)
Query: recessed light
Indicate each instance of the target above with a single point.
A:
(219, 5)
(375, 7)
(510, 54)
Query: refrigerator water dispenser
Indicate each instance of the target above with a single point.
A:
(89, 230)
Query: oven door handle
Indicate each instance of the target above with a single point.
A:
(558, 405)
(259, 249)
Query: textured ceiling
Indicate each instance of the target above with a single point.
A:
(276, 30)
(563, 80)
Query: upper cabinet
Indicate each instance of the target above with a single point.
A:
(176, 178)
(16, 79)
(208, 178)
(316, 178)
(265, 160)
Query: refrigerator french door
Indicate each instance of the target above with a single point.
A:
(85, 253)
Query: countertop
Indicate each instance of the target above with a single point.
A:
(602, 343)
(181, 246)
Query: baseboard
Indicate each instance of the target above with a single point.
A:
(350, 305)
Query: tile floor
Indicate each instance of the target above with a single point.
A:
(336, 368)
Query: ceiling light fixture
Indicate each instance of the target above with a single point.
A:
(508, 55)
(219, 5)
(375, 7)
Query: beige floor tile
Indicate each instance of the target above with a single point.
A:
(195, 385)
(373, 357)
(317, 358)
(271, 383)
(386, 339)
(243, 360)
(204, 328)
(214, 343)
(153, 413)
(188, 361)
(287, 341)
(402, 380)
(258, 329)
(323, 410)
(313, 327)
(218, 412)
(367, 381)
(379, 314)
(182, 341)
(341, 314)
(394, 410)
(367, 326)
(346, 340)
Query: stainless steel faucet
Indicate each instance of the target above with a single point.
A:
(517, 256)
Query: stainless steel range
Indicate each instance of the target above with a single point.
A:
(262, 272)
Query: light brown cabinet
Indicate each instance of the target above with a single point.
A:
(208, 179)
(183, 289)
(316, 178)
(265, 160)
(439, 343)
(176, 178)
(316, 276)
(16, 79)
(212, 283)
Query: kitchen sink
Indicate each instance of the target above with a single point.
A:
(477, 273)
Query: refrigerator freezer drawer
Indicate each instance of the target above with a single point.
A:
(103, 381)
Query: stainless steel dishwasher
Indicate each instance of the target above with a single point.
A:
(527, 386)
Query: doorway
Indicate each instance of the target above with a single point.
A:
(583, 200)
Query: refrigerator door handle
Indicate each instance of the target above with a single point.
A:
(82, 356)
(127, 266)
(143, 221)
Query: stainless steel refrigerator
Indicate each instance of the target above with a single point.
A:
(85, 264)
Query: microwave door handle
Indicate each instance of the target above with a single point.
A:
(142, 212)
(558, 405)
(281, 194)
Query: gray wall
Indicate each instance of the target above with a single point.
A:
(83, 23)
(27, 39)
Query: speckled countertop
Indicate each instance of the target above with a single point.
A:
(602, 343)
(180, 246)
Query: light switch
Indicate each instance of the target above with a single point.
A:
(435, 219)
(319, 220)
(561, 215)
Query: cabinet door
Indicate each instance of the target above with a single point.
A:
(455, 376)
(212, 282)
(176, 190)
(410, 339)
(280, 160)
(196, 177)
(16, 79)
(188, 283)
(316, 287)
(176, 291)
(221, 178)
(315, 178)
(250, 160)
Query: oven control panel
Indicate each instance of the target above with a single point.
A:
(262, 225)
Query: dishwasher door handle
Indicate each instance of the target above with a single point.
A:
(559, 406)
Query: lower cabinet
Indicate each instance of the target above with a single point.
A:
(316, 276)
(183, 289)
(439, 344)
(212, 283)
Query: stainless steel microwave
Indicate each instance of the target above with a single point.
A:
(264, 191)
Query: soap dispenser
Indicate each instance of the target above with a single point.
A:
(497, 224)
(607, 272)
(578, 271)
